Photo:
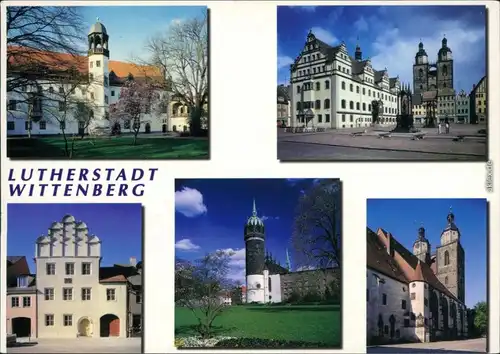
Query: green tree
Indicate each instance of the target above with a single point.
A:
(481, 318)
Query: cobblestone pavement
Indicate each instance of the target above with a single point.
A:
(79, 345)
(335, 145)
(458, 347)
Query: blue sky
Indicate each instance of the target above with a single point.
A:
(118, 226)
(402, 218)
(129, 27)
(389, 35)
(211, 215)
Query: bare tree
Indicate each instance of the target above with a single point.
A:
(317, 226)
(198, 287)
(182, 54)
(38, 34)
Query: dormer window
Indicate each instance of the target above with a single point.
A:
(22, 281)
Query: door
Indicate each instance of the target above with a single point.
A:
(148, 128)
(164, 128)
(21, 326)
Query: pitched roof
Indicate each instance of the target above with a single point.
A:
(22, 58)
(115, 274)
(14, 259)
(387, 256)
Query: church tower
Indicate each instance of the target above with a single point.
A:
(98, 58)
(255, 257)
(358, 54)
(444, 66)
(451, 259)
(422, 247)
(420, 70)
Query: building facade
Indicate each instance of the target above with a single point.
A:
(462, 106)
(478, 101)
(21, 305)
(433, 82)
(283, 105)
(75, 297)
(268, 281)
(53, 103)
(413, 295)
(331, 89)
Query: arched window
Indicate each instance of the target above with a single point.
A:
(351, 105)
(445, 70)
(342, 103)
(351, 87)
(317, 104)
(269, 285)
(364, 106)
(446, 258)
(357, 106)
(420, 73)
(327, 85)
(327, 103)
(317, 86)
(343, 85)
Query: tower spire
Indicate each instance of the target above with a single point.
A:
(288, 263)
(254, 210)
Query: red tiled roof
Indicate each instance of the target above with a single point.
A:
(399, 263)
(21, 57)
(115, 279)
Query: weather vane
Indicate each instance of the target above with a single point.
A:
(97, 18)
(451, 209)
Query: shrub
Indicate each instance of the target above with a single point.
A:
(257, 343)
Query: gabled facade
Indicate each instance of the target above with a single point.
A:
(462, 107)
(478, 101)
(332, 89)
(415, 296)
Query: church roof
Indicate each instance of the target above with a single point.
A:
(398, 262)
(22, 59)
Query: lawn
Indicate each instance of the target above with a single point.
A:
(109, 148)
(313, 324)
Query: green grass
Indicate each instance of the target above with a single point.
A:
(109, 148)
(315, 324)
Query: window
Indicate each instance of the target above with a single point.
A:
(110, 294)
(69, 268)
(86, 268)
(27, 125)
(50, 269)
(138, 298)
(86, 294)
(412, 316)
(12, 105)
(298, 90)
(351, 105)
(327, 118)
(49, 294)
(105, 98)
(26, 301)
(413, 296)
(98, 63)
(364, 106)
(67, 294)
(357, 89)
(327, 104)
(317, 104)
(342, 103)
(318, 86)
(11, 125)
(14, 301)
(112, 93)
(62, 125)
(68, 320)
(407, 322)
(49, 320)
(351, 87)
(343, 85)
(61, 90)
(446, 253)
(384, 299)
(327, 85)
(403, 304)
(68, 281)
(364, 91)
(43, 126)
(357, 106)
(320, 120)
(22, 281)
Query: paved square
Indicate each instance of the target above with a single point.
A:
(460, 347)
(335, 145)
(79, 345)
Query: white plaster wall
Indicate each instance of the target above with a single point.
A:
(275, 288)
(255, 294)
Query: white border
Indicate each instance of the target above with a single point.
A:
(242, 100)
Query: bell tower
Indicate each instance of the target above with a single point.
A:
(422, 247)
(98, 58)
(255, 257)
(451, 259)
(421, 70)
(445, 66)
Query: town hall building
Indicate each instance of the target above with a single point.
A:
(414, 295)
(43, 107)
(332, 89)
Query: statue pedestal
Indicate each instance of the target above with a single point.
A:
(404, 123)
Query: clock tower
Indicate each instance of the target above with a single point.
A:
(255, 257)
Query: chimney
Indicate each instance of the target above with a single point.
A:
(133, 261)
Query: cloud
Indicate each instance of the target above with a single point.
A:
(304, 8)
(236, 264)
(361, 24)
(186, 245)
(189, 202)
(324, 35)
(284, 61)
(266, 217)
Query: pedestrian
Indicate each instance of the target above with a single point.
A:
(447, 127)
(439, 127)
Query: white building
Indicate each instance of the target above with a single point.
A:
(462, 107)
(45, 101)
(331, 89)
(73, 299)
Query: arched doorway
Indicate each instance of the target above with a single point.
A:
(174, 128)
(147, 128)
(164, 128)
(21, 326)
(85, 327)
(110, 326)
